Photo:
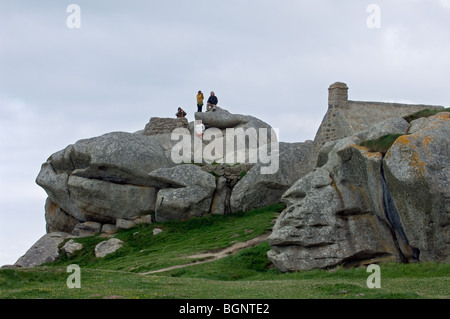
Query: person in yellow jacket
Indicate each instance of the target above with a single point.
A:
(199, 101)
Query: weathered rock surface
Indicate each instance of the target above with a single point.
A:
(57, 219)
(190, 193)
(108, 228)
(417, 168)
(45, 250)
(222, 119)
(70, 247)
(396, 125)
(219, 202)
(236, 134)
(256, 190)
(145, 219)
(101, 179)
(161, 125)
(350, 211)
(124, 223)
(86, 229)
(107, 247)
(105, 201)
(331, 217)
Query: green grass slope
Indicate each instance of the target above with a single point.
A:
(143, 252)
(245, 274)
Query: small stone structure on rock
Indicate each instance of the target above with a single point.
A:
(162, 125)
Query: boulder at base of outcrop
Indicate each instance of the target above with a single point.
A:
(86, 229)
(107, 247)
(417, 170)
(124, 223)
(70, 247)
(190, 193)
(45, 250)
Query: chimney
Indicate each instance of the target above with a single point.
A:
(337, 95)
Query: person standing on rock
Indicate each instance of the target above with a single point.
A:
(212, 102)
(200, 98)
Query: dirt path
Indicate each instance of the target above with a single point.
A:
(209, 257)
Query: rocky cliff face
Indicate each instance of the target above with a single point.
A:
(345, 204)
(417, 172)
(360, 207)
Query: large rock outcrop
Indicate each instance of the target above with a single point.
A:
(353, 207)
(358, 207)
(122, 176)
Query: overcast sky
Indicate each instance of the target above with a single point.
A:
(131, 60)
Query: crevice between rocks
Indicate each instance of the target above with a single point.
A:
(392, 215)
(364, 257)
(227, 204)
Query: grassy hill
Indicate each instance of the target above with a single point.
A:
(244, 274)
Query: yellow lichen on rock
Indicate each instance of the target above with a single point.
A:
(443, 115)
(366, 152)
(408, 146)
(417, 162)
(403, 140)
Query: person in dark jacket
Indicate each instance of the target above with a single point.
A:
(212, 102)
(180, 113)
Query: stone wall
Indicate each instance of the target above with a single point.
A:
(160, 125)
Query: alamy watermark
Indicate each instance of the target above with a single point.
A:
(374, 19)
(73, 21)
(74, 280)
(236, 146)
(374, 280)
